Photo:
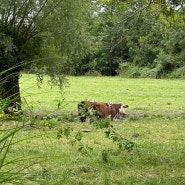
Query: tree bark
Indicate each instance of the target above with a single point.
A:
(10, 91)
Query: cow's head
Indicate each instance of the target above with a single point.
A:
(121, 113)
(122, 108)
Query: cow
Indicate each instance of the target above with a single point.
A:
(101, 110)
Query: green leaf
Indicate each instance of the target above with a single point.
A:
(67, 131)
(78, 136)
(107, 133)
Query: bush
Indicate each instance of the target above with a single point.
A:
(178, 73)
(164, 68)
(128, 70)
(123, 67)
(132, 71)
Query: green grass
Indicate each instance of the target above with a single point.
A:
(156, 124)
(148, 96)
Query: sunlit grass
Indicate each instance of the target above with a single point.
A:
(146, 96)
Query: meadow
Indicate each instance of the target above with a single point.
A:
(54, 150)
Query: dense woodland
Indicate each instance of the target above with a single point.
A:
(83, 37)
(140, 40)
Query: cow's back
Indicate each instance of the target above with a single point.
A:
(103, 110)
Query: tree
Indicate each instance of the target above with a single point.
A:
(43, 34)
(107, 28)
(155, 43)
(126, 31)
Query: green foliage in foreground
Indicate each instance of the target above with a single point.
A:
(37, 155)
(57, 149)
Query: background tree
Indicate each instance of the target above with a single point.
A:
(110, 48)
(113, 44)
(133, 36)
(43, 34)
(150, 42)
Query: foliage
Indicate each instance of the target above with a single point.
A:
(122, 141)
(44, 36)
(110, 47)
(171, 57)
(12, 170)
(135, 33)
(177, 73)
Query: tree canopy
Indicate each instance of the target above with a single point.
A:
(133, 39)
(43, 35)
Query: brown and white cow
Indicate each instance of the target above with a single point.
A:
(101, 110)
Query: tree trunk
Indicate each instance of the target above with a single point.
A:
(10, 91)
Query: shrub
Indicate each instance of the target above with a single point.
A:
(178, 73)
(129, 70)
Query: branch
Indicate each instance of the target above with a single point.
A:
(24, 15)
(139, 10)
(33, 30)
(35, 17)
(52, 8)
(8, 13)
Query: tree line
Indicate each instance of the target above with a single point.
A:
(140, 40)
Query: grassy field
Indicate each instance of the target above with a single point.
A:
(146, 96)
(156, 125)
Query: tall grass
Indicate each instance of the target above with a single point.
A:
(14, 169)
